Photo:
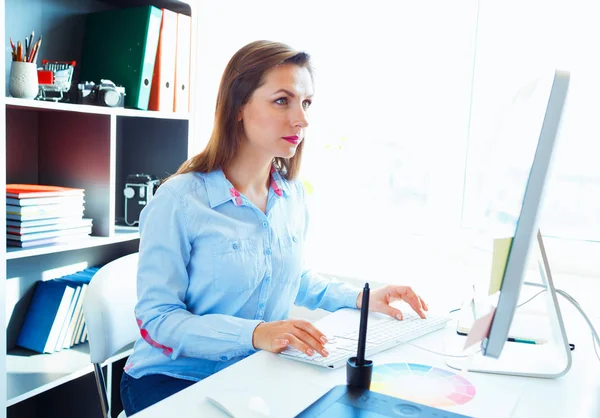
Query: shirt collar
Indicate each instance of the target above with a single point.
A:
(220, 190)
(279, 185)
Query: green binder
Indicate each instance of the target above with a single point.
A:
(120, 45)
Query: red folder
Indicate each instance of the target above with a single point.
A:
(163, 80)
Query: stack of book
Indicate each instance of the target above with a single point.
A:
(41, 215)
(54, 318)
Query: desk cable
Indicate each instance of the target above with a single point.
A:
(595, 338)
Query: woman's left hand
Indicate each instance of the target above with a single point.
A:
(380, 299)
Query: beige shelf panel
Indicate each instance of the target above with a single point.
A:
(14, 103)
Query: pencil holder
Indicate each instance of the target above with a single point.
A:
(23, 81)
(359, 376)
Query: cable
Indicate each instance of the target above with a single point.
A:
(595, 338)
(441, 354)
(531, 298)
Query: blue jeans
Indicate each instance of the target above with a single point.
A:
(137, 394)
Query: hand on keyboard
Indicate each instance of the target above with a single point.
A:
(383, 333)
(382, 297)
(299, 334)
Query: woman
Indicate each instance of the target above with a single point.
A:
(220, 260)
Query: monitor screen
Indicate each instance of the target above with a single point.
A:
(547, 97)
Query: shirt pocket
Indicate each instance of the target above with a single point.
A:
(235, 265)
(291, 257)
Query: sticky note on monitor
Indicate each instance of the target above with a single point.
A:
(480, 329)
(499, 259)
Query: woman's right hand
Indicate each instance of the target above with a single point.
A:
(300, 334)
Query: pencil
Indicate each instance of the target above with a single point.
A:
(32, 53)
(37, 49)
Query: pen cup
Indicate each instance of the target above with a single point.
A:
(23, 82)
(359, 376)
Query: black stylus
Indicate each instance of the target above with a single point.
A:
(362, 332)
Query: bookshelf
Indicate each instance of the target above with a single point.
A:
(13, 103)
(72, 145)
(35, 374)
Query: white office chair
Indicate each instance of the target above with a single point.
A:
(108, 309)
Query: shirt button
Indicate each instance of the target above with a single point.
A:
(268, 251)
(223, 358)
(294, 238)
(265, 224)
(235, 246)
(262, 305)
(268, 280)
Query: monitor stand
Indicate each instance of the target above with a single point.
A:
(548, 360)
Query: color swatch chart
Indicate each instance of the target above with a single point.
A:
(422, 384)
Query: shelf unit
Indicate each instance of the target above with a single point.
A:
(34, 374)
(72, 145)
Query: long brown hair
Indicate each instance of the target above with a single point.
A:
(244, 73)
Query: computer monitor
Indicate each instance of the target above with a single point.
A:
(552, 358)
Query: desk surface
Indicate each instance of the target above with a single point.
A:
(289, 387)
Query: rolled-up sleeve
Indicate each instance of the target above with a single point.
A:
(325, 293)
(164, 320)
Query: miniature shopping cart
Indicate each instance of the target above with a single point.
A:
(55, 79)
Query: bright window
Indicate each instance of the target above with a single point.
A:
(516, 40)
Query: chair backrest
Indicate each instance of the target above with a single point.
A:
(108, 308)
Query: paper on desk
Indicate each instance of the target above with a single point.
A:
(480, 329)
(499, 259)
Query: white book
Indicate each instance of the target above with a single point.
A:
(39, 216)
(49, 221)
(77, 320)
(27, 229)
(69, 200)
(68, 318)
(50, 234)
(59, 319)
(84, 333)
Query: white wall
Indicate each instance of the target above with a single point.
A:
(393, 84)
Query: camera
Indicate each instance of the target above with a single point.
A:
(139, 189)
(106, 93)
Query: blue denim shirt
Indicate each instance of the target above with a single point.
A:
(212, 266)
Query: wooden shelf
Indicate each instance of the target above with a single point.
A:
(13, 103)
(29, 374)
(122, 234)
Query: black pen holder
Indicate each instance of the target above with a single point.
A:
(359, 376)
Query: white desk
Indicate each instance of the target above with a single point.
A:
(289, 386)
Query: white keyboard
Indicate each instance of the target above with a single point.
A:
(382, 333)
